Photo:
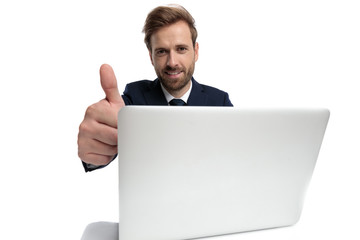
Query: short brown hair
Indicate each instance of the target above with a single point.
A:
(164, 16)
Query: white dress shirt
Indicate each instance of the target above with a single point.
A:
(170, 97)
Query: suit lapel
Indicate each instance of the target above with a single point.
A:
(155, 95)
(197, 96)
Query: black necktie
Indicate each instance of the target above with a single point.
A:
(177, 102)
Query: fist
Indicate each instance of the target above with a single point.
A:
(97, 138)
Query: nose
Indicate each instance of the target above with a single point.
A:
(172, 60)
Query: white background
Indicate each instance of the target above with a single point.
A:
(263, 53)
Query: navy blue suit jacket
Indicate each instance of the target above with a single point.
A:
(147, 92)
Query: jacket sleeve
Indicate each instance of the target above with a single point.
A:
(90, 167)
(227, 101)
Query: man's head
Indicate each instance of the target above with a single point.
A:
(170, 36)
(164, 16)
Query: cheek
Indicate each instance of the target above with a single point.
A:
(190, 60)
(155, 64)
(159, 63)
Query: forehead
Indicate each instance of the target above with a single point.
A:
(175, 34)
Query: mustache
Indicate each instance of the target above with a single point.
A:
(176, 69)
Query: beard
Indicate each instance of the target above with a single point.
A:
(175, 84)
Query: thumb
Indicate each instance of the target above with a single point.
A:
(109, 84)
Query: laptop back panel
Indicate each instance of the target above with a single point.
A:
(190, 172)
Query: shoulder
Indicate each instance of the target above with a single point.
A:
(141, 85)
(143, 92)
(207, 89)
(212, 90)
(214, 96)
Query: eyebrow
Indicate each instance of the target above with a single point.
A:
(176, 46)
(182, 45)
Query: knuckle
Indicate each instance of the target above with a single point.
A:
(83, 128)
(81, 153)
(114, 150)
(114, 137)
(81, 148)
(90, 111)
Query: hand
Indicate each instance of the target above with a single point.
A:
(97, 139)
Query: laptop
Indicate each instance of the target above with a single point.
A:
(193, 172)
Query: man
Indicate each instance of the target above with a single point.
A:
(170, 36)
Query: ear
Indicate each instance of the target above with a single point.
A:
(196, 49)
(151, 59)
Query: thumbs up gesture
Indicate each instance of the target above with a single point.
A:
(97, 138)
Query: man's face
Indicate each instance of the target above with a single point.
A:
(173, 57)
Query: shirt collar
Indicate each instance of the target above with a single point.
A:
(170, 97)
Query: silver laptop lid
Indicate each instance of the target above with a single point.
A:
(189, 172)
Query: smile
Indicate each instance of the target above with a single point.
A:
(172, 73)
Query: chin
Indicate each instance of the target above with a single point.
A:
(174, 84)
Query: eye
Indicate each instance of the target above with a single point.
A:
(182, 49)
(160, 52)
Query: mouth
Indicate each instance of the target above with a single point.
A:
(173, 74)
